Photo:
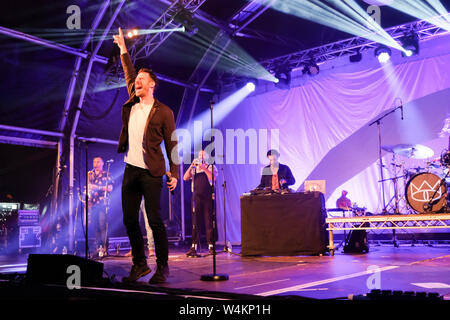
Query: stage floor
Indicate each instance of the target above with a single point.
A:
(419, 268)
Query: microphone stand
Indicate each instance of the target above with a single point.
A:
(214, 276)
(226, 248)
(224, 185)
(106, 199)
(86, 203)
(378, 122)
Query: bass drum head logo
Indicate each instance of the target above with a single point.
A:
(425, 188)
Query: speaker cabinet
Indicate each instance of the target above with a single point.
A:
(54, 269)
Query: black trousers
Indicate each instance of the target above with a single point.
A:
(138, 182)
(202, 209)
(99, 225)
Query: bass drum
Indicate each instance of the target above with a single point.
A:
(424, 187)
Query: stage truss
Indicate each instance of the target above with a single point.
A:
(422, 28)
(387, 222)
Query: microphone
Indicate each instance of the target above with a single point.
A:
(169, 178)
(110, 161)
(400, 105)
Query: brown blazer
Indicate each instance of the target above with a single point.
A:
(160, 126)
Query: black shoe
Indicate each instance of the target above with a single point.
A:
(137, 271)
(161, 274)
(192, 253)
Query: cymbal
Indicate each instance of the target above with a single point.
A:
(414, 151)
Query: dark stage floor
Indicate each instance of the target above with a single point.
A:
(419, 268)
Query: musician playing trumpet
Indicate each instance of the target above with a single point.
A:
(201, 174)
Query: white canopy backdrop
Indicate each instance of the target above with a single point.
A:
(317, 115)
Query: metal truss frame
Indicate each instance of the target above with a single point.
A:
(143, 47)
(242, 18)
(424, 30)
(387, 222)
(166, 21)
(80, 54)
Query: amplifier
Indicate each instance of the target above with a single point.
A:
(28, 217)
(29, 237)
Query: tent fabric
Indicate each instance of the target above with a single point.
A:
(317, 116)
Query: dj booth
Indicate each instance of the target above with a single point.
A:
(283, 224)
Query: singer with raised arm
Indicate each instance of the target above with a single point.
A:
(100, 185)
(146, 123)
(276, 176)
(201, 173)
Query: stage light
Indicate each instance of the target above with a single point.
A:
(192, 131)
(283, 75)
(132, 33)
(347, 16)
(250, 86)
(432, 11)
(383, 54)
(357, 57)
(185, 18)
(411, 45)
(311, 68)
(384, 57)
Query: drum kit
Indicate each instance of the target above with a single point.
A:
(425, 188)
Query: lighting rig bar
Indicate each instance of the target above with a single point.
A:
(166, 21)
(145, 46)
(424, 30)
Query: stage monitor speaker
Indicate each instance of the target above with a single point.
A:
(54, 269)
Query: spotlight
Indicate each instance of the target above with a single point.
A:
(411, 45)
(383, 53)
(185, 18)
(356, 57)
(283, 75)
(311, 68)
(250, 86)
(132, 33)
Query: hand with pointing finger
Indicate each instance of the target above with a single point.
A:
(120, 41)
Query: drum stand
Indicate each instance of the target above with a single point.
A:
(395, 198)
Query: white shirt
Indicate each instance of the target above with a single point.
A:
(136, 127)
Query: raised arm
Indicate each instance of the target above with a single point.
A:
(120, 41)
(127, 64)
